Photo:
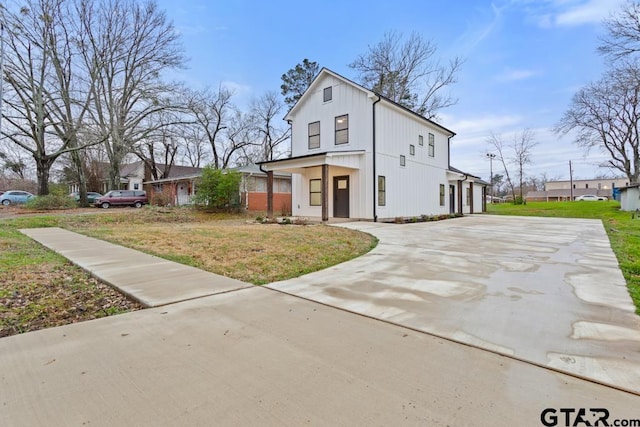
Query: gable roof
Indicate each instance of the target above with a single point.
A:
(371, 94)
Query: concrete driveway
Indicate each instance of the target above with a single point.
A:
(543, 290)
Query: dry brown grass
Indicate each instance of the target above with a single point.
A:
(255, 253)
(40, 289)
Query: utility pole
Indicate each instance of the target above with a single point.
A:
(491, 156)
(571, 180)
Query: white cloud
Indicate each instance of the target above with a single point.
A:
(238, 89)
(516, 75)
(471, 126)
(569, 13)
(475, 34)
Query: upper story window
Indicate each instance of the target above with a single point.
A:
(327, 94)
(420, 140)
(432, 145)
(403, 161)
(342, 129)
(412, 149)
(314, 135)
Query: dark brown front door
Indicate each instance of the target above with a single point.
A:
(341, 197)
(452, 199)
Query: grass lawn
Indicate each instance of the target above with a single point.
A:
(623, 230)
(39, 288)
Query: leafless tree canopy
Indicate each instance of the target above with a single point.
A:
(86, 83)
(622, 37)
(605, 115)
(517, 153)
(408, 72)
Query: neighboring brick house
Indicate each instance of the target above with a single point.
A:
(253, 190)
(181, 189)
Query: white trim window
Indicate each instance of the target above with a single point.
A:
(432, 145)
(314, 135)
(342, 129)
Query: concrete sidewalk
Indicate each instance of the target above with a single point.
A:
(545, 290)
(260, 357)
(151, 280)
(246, 355)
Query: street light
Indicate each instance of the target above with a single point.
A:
(491, 156)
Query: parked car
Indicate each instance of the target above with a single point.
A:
(92, 196)
(122, 198)
(14, 197)
(590, 197)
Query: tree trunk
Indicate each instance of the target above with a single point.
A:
(82, 179)
(43, 167)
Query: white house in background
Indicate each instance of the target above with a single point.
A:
(356, 154)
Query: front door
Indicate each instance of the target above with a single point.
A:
(341, 196)
(452, 199)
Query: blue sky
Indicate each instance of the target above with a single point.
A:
(524, 59)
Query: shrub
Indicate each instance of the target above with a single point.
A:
(51, 202)
(163, 198)
(218, 189)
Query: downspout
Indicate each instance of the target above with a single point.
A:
(375, 178)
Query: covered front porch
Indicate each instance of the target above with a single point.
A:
(324, 185)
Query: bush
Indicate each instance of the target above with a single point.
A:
(218, 189)
(51, 202)
(163, 198)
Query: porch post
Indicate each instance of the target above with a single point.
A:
(471, 197)
(325, 193)
(269, 194)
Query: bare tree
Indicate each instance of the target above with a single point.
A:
(523, 145)
(27, 71)
(193, 148)
(498, 144)
(133, 43)
(605, 115)
(227, 130)
(622, 37)
(266, 111)
(159, 149)
(407, 72)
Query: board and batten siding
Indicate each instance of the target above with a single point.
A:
(300, 185)
(346, 99)
(413, 189)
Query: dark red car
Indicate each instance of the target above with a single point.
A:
(134, 198)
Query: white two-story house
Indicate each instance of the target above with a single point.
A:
(356, 154)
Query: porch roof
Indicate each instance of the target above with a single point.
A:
(332, 158)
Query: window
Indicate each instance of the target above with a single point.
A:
(284, 186)
(315, 192)
(136, 186)
(412, 149)
(441, 194)
(468, 193)
(586, 186)
(314, 135)
(402, 160)
(259, 184)
(342, 129)
(432, 145)
(327, 94)
(382, 191)
(420, 140)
